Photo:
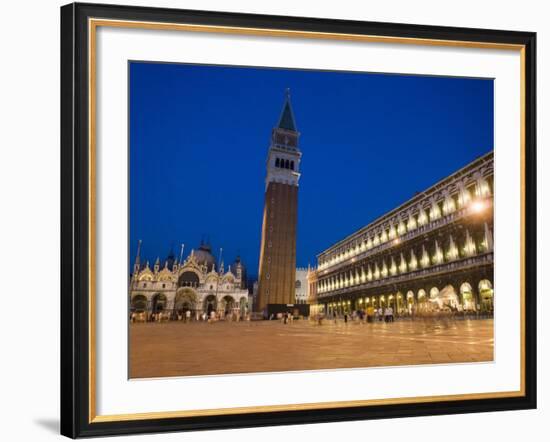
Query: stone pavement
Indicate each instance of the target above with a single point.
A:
(198, 348)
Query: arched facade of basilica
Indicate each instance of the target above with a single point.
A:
(194, 286)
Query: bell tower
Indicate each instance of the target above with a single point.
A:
(277, 269)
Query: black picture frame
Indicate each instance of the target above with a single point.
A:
(75, 219)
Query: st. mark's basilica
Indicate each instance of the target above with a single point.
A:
(197, 285)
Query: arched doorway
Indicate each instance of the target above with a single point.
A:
(400, 303)
(138, 308)
(467, 295)
(158, 304)
(375, 302)
(228, 303)
(422, 300)
(433, 301)
(486, 296)
(185, 301)
(410, 301)
(392, 302)
(188, 279)
(138, 304)
(447, 298)
(210, 304)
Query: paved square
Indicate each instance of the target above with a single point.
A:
(199, 348)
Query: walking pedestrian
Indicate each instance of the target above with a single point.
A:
(370, 313)
(387, 314)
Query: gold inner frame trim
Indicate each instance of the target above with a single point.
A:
(93, 24)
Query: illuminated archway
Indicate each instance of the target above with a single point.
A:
(188, 279)
(467, 295)
(422, 300)
(210, 304)
(392, 302)
(433, 303)
(447, 298)
(486, 295)
(138, 304)
(158, 303)
(409, 301)
(400, 302)
(186, 300)
(228, 303)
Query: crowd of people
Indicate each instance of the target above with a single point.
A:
(369, 315)
(285, 317)
(188, 316)
(387, 314)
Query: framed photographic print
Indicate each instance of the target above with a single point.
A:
(275, 220)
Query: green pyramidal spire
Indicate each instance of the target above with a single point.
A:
(286, 120)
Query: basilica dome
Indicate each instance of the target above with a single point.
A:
(204, 256)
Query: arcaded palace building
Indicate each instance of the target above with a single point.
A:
(196, 284)
(432, 253)
(277, 267)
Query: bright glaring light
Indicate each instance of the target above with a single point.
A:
(477, 206)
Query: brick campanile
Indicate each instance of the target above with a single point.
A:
(277, 271)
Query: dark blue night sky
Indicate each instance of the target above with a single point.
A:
(199, 137)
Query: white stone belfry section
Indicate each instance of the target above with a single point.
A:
(283, 160)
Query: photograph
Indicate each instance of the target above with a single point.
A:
(275, 220)
(297, 219)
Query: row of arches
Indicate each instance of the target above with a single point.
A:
(188, 279)
(475, 198)
(463, 298)
(139, 303)
(191, 279)
(284, 164)
(420, 256)
(187, 300)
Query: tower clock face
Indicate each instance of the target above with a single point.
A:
(285, 139)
